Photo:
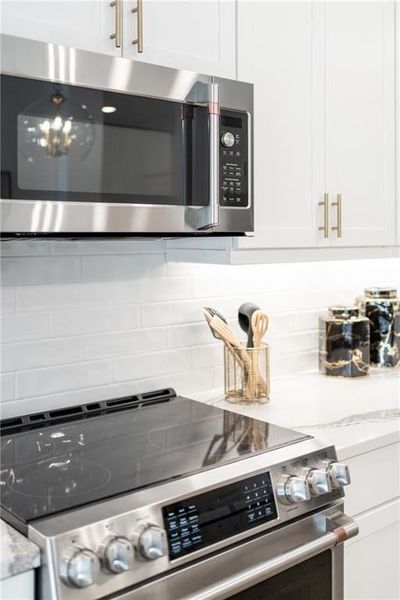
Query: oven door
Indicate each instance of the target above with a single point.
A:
(303, 560)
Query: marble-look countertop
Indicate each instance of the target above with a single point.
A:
(356, 415)
(17, 553)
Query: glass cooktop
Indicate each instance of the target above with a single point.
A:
(60, 460)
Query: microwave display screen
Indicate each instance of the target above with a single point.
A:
(219, 514)
(229, 121)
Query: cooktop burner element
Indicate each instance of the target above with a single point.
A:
(128, 444)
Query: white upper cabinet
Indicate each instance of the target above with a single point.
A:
(85, 24)
(197, 35)
(398, 119)
(360, 120)
(275, 52)
(324, 120)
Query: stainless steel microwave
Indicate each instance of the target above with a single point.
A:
(98, 145)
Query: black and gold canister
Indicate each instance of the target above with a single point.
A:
(344, 342)
(382, 307)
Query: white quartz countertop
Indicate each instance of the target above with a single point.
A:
(356, 415)
(17, 553)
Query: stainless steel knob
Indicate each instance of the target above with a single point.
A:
(81, 568)
(151, 541)
(117, 554)
(293, 490)
(338, 474)
(228, 139)
(318, 482)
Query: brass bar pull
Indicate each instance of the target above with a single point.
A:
(117, 35)
(338, 226)
(325, 226)
(139, 20)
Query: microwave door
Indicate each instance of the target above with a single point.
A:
(201, 140)
(85, 160)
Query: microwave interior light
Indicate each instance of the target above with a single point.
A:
(108, 109)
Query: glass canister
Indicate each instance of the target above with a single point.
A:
(382, 307)
(344, 342)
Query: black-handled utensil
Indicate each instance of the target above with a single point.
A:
(245, 314)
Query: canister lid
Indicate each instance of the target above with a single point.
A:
(380, 292)
(344, 312)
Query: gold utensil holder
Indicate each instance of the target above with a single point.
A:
(246, 372)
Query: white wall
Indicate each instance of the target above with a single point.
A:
(84, 321)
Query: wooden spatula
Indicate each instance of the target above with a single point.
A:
(259, 324)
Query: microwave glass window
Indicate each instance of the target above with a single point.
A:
(79, 164)
(70, 143)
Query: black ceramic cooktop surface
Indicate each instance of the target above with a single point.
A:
(64, 463)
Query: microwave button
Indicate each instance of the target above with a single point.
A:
(228, 139)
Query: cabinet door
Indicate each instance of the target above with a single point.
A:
(85, 24)
(371, 560)
(184, 34)
(398, 119)
(275, 52)
(359, 121)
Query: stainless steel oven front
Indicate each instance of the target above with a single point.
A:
(301, 560)
(95, 145)
(270, 526)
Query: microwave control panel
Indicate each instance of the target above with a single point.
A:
(233, 159)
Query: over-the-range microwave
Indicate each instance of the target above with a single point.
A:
(97, 145)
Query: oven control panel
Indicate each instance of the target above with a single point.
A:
(214, 516)
(233, 160)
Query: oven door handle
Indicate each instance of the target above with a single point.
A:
(338, 530)
(207, 94)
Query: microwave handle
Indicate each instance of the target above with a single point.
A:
(207, 94)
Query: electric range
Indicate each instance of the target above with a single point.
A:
(122, 494)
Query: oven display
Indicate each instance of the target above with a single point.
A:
(217, 515)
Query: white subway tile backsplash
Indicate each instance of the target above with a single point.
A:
(93, 394)
(24, 407)
(208, 356)
(184, 383)
(145, 290)
(150, 365)
(61, 378)
(123, 343)
(54, 297)
(108, 247)
(183, 336)
(7, 387)
(30, 355)
(39, 270)
(8, 299)
(91, 320)
(20, 247)
(98, 268)
(21, 327)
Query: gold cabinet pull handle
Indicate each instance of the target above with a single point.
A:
(139, 23)
(325, 226)
(117, 35)
(338, 226)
